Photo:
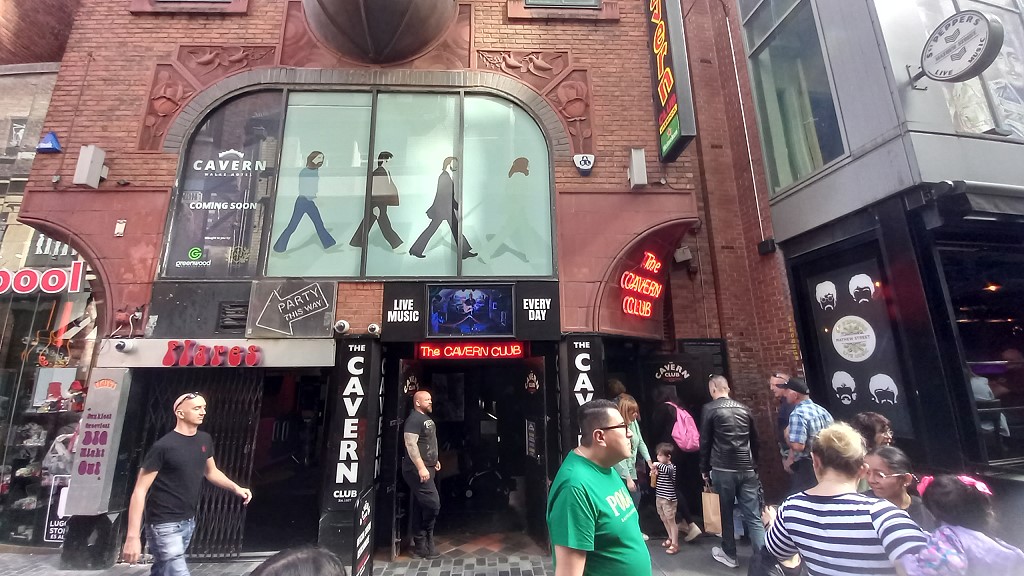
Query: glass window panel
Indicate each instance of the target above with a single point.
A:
(226, 183)
(765, 18)
(746, 6)
(414, 189)
(506, 191)
(578, 3)
(321, 189)
(1005, 78)
(794, 99)
(986, 293)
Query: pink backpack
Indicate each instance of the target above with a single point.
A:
(684, 431)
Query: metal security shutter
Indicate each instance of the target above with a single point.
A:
(233, 396)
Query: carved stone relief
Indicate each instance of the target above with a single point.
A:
(168, 92)
(207, 64)
(572, 97)
(536, 68)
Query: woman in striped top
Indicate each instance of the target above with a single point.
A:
(837, 531)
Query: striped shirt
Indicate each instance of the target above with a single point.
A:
(666, 485)
(843, 535)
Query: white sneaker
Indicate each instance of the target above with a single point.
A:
(692, 532)
(720, 555)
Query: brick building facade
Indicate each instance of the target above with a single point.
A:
(139, 76)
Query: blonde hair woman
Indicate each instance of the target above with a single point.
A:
(834, 529)
(630, 411)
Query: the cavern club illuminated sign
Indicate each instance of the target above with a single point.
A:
(673, 100)
(50, 280)
(470, 350)
(639, 290)
(192, 353)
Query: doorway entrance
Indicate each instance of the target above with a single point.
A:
(491, 432)
(286, 461)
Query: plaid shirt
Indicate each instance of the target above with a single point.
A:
(807, 420)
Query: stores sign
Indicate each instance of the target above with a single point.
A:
(962, 47)
(50, 281)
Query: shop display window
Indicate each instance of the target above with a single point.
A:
(45, 343)
(363, 184)
(986, 294)
(225, 186)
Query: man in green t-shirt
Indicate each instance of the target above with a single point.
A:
(594, 526)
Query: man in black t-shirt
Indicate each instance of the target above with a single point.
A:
(171, 477)
(418, 469)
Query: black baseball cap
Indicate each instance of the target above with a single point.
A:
(796, 385)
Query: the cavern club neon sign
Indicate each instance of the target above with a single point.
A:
(640, 292)
(470, 350)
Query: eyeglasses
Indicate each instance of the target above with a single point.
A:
(883, 476)
(189, 396)
(607, 428)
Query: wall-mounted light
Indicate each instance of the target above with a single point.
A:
(992, 287)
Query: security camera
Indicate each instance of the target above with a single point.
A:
(373, 329)
(124, 346)
(342, 327)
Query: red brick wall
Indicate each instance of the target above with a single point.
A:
(34, 31)
(734, 293)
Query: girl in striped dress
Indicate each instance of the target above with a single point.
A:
(836, 530)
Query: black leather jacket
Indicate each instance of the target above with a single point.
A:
(728, 437)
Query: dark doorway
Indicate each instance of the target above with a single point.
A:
(490, 417)
(286, 475)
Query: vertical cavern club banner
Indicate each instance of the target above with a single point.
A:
(857, 345)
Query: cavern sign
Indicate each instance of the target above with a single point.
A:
(673, 100)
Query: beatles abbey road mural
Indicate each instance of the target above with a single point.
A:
(428, 199)
(445, 185)
(856, 343)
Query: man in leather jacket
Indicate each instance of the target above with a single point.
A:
(728, 457)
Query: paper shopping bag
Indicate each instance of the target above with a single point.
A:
(712, 511)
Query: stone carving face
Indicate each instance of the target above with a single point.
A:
(825, 294)
(845, 387)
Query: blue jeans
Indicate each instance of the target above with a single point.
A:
(304, 207)
(746, 487)
(167, 543)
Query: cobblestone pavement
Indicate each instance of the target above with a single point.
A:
(694, 559)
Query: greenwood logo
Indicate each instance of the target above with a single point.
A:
(195, 253)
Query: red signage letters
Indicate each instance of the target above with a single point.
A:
(191, 353)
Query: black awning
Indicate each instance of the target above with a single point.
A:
(960, 202)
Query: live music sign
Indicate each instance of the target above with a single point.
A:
(50, 280)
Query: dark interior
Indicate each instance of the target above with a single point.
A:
(286, 473)
(481, 409)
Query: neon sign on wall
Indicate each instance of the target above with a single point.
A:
(639, 291)
(470, 350)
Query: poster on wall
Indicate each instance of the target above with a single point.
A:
(226, 183)
(857, 345)
(56, 511)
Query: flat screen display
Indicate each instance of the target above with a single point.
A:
(461, 310)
